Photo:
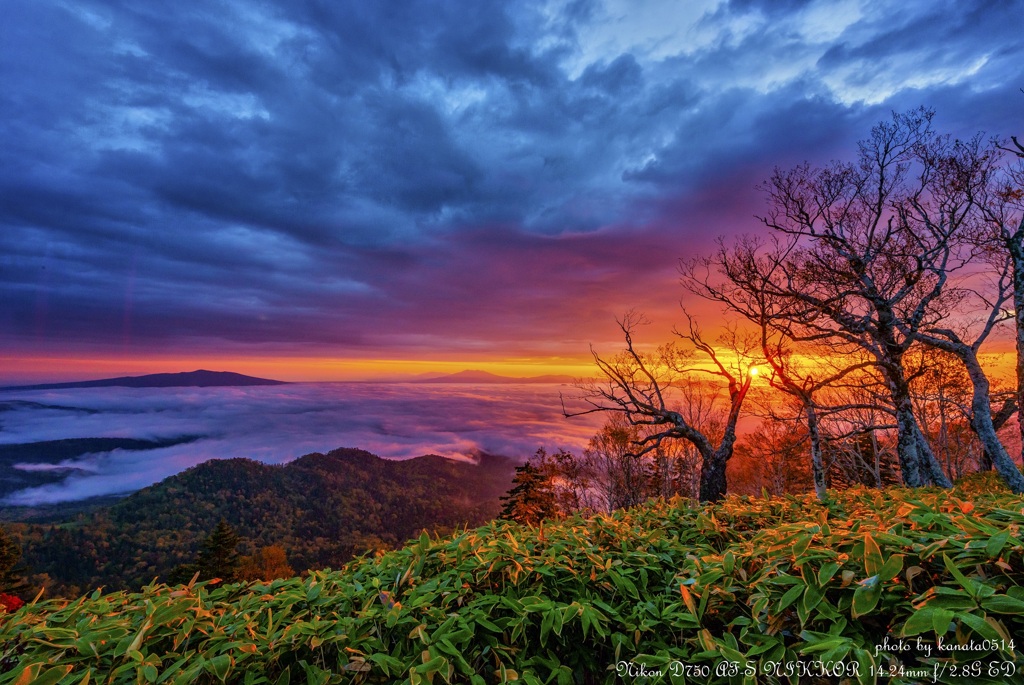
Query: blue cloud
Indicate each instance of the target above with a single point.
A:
(240, 173)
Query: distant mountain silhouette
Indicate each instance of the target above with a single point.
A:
(473, 376)
(198, 379)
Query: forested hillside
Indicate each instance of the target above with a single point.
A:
(322, 509)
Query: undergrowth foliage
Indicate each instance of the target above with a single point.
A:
(748, 590)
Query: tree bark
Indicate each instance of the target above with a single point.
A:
(712, 476)
(981, 412)
(986, 430)
(931, 469)
(1015, 246)
(817, 463)
(906, 430)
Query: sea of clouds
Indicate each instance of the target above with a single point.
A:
(276, 424)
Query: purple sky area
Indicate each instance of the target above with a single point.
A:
(472, 181)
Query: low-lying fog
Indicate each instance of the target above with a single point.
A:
(275, 424)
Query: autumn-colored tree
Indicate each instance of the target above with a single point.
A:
(531, 499)
(942, 400)
(618, 477)
(267, 564)
(1001, 202)
(865, 458)
(772, 459)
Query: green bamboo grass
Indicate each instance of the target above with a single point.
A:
(747, 591)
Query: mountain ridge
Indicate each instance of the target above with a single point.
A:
(323, 509)
(486, 377)
(200, 378)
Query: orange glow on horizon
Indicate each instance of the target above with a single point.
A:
(30, 368)
(27, 370)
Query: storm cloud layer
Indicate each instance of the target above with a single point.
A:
(275, 424)
(404, 178)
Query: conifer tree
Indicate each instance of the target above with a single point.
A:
(531, 499)
(219, 556)
(12, 572)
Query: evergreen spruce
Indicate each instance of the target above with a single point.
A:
(12, 572)
(531, 500)
(219, 556)
(182, 574)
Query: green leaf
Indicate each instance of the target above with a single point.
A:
(891, 568)
(866, 663)
(866, 596)
(387, 663)
(996, 543)
(51, 676)
(791, 596)
(801, 545)
(941, 620)
(545, 626)
(958, 601)
(812, 597)
(960, 577)
(480, 620)
(872, 556)
(624, 584)
(1003, 604)
(925, 619)
(979, 625)
(827, 572)
(219, 666)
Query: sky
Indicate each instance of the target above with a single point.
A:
(315, 190)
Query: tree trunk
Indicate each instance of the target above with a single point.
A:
(1015, 246)
(981, 411)
(917, 462)
(906, 445)
(931, 469)
(712, 476)
(981, 421)
(999, 419)
(817, 463)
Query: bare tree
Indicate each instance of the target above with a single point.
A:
(942, 401)
(741, 279)
(878, 243)
(773, 456)
(645, 387)
(861, 458)
(948, 339)
(1001, 202)
(1004, 407)
(618, 477)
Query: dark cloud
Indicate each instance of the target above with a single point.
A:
(411, 177)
